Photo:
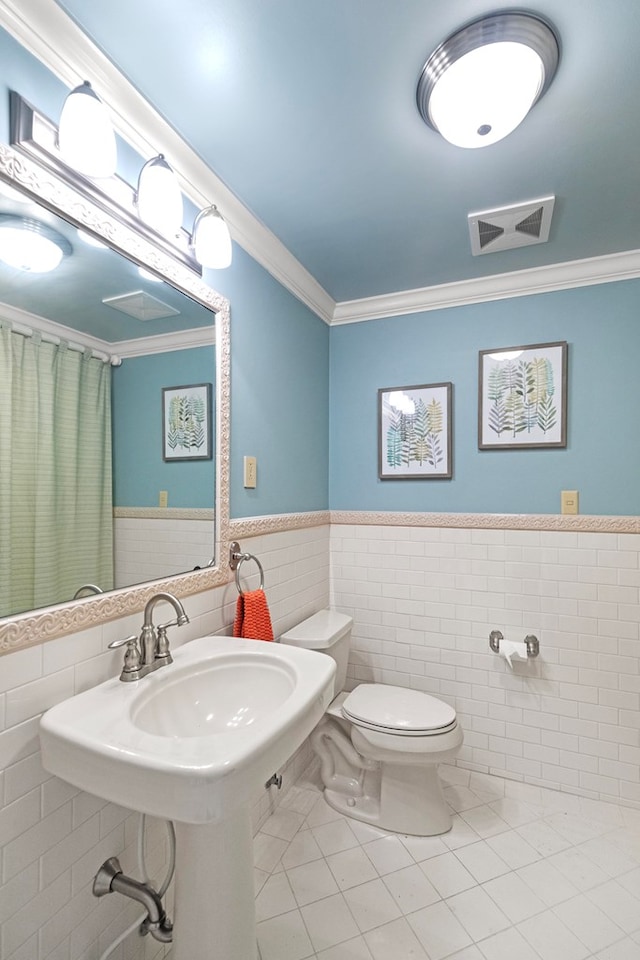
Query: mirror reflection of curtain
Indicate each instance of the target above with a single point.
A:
(56, 515)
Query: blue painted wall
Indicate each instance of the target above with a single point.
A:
(279, 371)
(279, 393)
(139, 472)
(602, 458)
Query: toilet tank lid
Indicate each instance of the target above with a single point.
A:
(318, 631)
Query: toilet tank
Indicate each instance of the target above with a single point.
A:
(328, 632)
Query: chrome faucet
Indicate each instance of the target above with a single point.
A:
(151, 651)
(86, 588)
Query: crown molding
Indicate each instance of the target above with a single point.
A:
(47, 32)
(501, 286)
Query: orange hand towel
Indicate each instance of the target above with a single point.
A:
(253, 619)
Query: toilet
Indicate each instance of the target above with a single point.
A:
(379, 745)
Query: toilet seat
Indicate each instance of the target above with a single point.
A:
(398, 711)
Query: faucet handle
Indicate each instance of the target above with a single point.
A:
(132, 657)
(120, 643)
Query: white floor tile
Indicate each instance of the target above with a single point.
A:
(438, 930)
(484, 821)
(576, 829)
(329, 922)
(302, 849)
(372, 905)
(351, 867)
(516, 900)
(589, 923)
(410, 889)
(460, 834)
(551, 939)
(618, 904)
(515, 812)
(482, 862)
(548, 883)
(388, 854)
(284, 938)
(284, 824)
(321, 812)
(422, 848)
(507, 945)
(355, 949)
(631, 882)
(447, 874)
(276, 897)
(478, 913)
(514, 849)
(267, 851)
(609, 857)
(582, 872)
(334, 837)
(461, 798)
(626, 949)
(394, 941)
(543, 838)
(312, 881)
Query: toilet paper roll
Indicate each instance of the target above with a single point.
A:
(510, 650)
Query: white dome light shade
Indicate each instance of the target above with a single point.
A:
(159, 197)
(30, 245)
(211, 239)
(86, 138)
(480, 84)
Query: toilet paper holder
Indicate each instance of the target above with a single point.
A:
(532, 643)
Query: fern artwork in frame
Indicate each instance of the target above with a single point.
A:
(522, 397)
(414, 432)
(186, 422)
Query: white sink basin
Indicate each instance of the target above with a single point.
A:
(195, 739)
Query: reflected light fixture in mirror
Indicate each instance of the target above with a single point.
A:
(482, 81)
(86, 137)
(30, 245)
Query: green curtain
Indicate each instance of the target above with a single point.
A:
(56, 514)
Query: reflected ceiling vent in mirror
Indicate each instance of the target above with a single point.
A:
(504, 228)
(141, 305)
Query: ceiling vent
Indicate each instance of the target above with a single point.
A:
(504, 228)
(141, 305)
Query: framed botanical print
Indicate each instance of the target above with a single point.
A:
(522, 397)
(414, 432)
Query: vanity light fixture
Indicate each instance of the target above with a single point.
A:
(31, 245)
(483, 80)
(158, 197)
(86, 138)
(211, 239)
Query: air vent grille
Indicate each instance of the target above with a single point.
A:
(141, 305)
(505, 228)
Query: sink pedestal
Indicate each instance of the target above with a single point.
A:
(214, 890)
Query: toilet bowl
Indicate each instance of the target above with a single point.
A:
(379, 745)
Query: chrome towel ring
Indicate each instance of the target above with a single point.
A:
(237, 557)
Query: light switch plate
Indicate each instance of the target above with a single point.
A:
(569, 501)
(163, 498)
(250, 472)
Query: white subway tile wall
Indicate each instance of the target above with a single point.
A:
(424, 601)
(52, 837)
(152, 548)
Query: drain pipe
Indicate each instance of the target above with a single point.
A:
(111, 879)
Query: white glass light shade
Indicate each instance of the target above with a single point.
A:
(211, 239)
(31, 245)
(86, 138)
(159, 197)
(481, 82)
(486, 94)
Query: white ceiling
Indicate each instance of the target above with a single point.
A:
(306, 112)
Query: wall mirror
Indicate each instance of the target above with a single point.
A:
(166, 329)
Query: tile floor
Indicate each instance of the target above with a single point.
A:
(525, 874)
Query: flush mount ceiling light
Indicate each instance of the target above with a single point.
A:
(480, 84)
(86, 138)
(159, 198)
(211, 239)
(31, 245)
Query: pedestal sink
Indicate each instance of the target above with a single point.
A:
(195, 742)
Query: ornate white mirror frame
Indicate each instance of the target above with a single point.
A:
(35, 627)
